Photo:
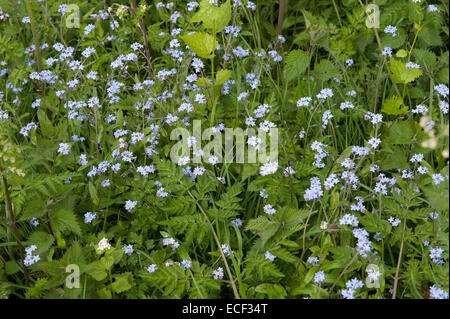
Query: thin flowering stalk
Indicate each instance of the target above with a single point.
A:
(294, 202)
(304, 230)
(254, 26)
(12, 221)
(377, 36)
(213, 113)
(303, 243)
(61, 38)
(397, 269)
(344, 271)
(232, 281)
(144, 35)
(36, 42)
(337, 13)
(419, 27)
(196, 284)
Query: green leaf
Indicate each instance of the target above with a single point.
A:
(309, 276)
(394, 106)
(430, 34)
(401, 53)
(401, 132)
(284, 254)
(60, 241)
(248, 170)
(107, 262)
(203, 82)
(96, 270)
(222, 76)
(325, 70)
(438, 200)
(93, 193)
(34, 208)
(65, 221)
(104, 293)
(201, 43)
(443, 75)
(213, 18)
(394, 158)
(44, 123)
(402, 75)
(115, 253)
(425, 57)
(11, 267)
(122, 282)
(273, 291)
(297, 62)
(42, 240)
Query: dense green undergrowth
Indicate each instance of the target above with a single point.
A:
(355, 205)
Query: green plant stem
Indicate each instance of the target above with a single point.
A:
(143, 30)
(219, 246)
(50, 229)
(409, 56)
(380, 47)
(36, 42)
(12, 221)
(213, 82)
(397, 269)
(337, 13)
(343, 271)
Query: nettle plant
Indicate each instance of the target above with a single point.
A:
(355, 206)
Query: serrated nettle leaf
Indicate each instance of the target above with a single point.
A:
(65, 221)
(97, 270)
(115, 253)
(41, 240)
(221, 77)
(94, 194)
(325, 70)
(297, 61)
(11, 267)
(402, 74)
(401, 53)
(107, 262)
(122, 282)
(203, 44)
(394, 106)
(203, 82)
(401, 132)
(214, 18)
